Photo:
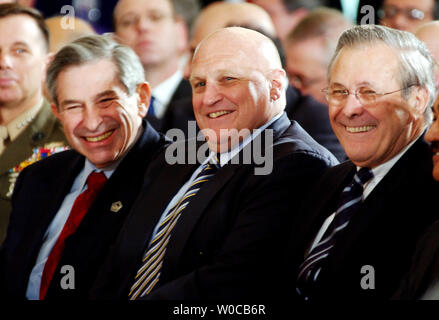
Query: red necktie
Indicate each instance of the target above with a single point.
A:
(83, 202)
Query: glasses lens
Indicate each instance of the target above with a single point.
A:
(416, 14)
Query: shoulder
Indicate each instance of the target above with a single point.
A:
(295, 140)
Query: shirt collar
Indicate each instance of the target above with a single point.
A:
(164, 92)
(17, 126)
(225, 157)
(381, 170)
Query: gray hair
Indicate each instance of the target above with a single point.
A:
(93, 48)
(416, 64)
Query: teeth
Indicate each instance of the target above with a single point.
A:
(214, 115)
(359, 129)
(99, 138)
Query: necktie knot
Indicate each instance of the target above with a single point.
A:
(96, 181)
(364, 175)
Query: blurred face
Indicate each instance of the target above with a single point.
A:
(429, 36)
(100, 119)
(407, 14)
(149, 28)
(373, 133)
(432, 136)
(230, 90)
(307, 66)
(22, 60)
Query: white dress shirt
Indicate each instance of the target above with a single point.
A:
(164, 92)
(378, 174)
(224, 158)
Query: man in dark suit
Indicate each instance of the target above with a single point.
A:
(310, 114)
(222, 239)
(65, 214)
(421, 282)
(356, 235)
(27, 126)
(158, 35)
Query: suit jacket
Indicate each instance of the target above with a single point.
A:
(382, 234)
(178, 112)
(44, 130)
(421, 282)
(229, 236)
(39, 193)
(313, 117)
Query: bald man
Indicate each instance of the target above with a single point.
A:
(310, 114)
(215, 229)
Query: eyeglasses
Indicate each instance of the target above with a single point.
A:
(409, 13)
(365, 95)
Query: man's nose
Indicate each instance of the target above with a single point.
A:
(92, 118)
(5, 61)
(211, 94)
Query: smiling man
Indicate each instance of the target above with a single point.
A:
(355, 240)
(67, 209)
(208, 223)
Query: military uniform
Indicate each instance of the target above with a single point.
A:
(43, 131)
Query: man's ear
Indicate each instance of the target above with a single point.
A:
(55, 110)
(421, 100)
(277, 83)
(143, 92)
(49, 58)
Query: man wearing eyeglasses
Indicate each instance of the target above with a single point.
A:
(407, 15)
(355, 240)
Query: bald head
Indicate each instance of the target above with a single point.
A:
(237, 82)
(63, 32)
(249, 47)
(224, 14)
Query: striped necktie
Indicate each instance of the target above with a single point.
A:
(350, 200)
(149, 273)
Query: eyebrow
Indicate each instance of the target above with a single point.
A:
(97, 97)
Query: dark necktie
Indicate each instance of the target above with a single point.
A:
(350, 200)
(151, 110)
(149, 273)
(83, 202)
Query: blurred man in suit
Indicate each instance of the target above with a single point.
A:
(158, 36)
(355, 240)
(310, 114)
(27, 125)
(286, 14)
(64, 211)
(209, 222)
(407, 15)
(309, 48)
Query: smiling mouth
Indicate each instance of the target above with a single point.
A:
(99, 138)
(217, 114)
(360, 129)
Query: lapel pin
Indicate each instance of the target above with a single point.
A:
(116, 206)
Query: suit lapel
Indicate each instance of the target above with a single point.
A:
(197, 206)
(308, 225)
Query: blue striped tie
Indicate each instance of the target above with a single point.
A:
(149, 273)
(350, 200)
